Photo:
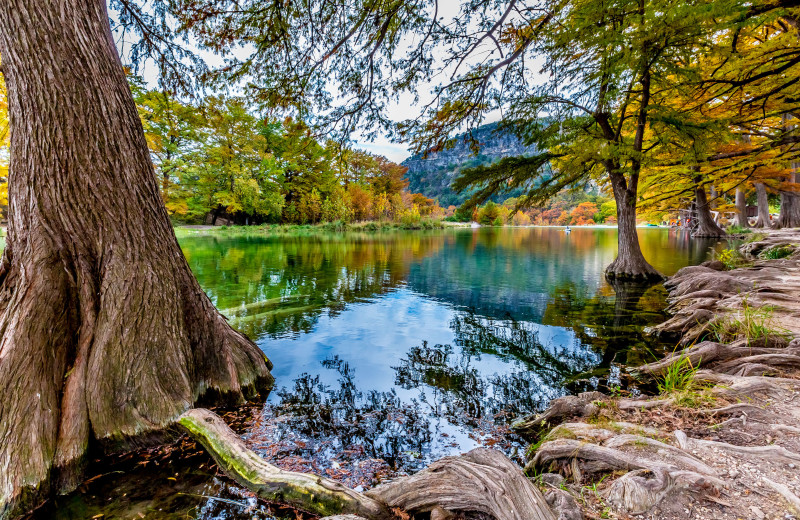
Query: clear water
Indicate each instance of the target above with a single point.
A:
(393, 349)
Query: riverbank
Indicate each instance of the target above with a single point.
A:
(308, 229)
(720, 441)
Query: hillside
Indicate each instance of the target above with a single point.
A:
(432, 176)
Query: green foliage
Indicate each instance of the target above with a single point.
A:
(463, 214)
(220, 159)
(488, 215)
(775, 253)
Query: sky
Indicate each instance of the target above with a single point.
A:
(402, 108)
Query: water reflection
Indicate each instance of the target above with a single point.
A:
(394, 349)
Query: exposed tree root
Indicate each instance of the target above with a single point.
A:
(752, 380)
(482, 481)
(602, 459)
(708, 352)
(771, 452)
(785, 492)
(638, 491)
(581, 405)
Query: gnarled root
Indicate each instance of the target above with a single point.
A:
(639, 491)
(708, 352)
(482, 481)
(581, 405)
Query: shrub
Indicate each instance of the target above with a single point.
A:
(488, 214)
(732, 258)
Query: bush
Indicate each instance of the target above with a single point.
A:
(732, 258)
(410, 220)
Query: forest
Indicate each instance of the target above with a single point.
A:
(642, 361)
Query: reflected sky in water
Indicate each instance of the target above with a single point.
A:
(468, 327)
(393, 349)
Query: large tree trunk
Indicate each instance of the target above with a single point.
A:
(706, 226)
(763, 205)
(789, 216)
(105, 335)
(740, 218)
(630, 262)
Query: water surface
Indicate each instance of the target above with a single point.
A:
(393, 349)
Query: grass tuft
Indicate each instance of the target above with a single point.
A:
(739, 230)
(750, 323)
(678, 378)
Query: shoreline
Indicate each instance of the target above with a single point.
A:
(722, 438)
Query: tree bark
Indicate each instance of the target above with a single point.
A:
(763, 206)
(630, 262)
(789, 216)
(706, 226)
(105, 335)
(740, 219)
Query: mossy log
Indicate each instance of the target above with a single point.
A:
(300, 490)
(482, 481)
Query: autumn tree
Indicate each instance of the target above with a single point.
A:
(106, 335)
(735, 126)
(603, 63)
(172, 129)
(584, 213)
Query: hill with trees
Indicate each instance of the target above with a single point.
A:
(433, 172)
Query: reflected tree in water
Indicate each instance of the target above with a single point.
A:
(341, 431)
(467, 395)
(612, 323)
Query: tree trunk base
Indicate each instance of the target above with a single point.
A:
(624, 273)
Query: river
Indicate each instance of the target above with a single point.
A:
(393, 349)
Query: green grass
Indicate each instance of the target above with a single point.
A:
(679, 377)
(775, 253)
(750, 323)
(739, 230)
(311, 229)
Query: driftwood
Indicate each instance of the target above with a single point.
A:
(481, 481)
